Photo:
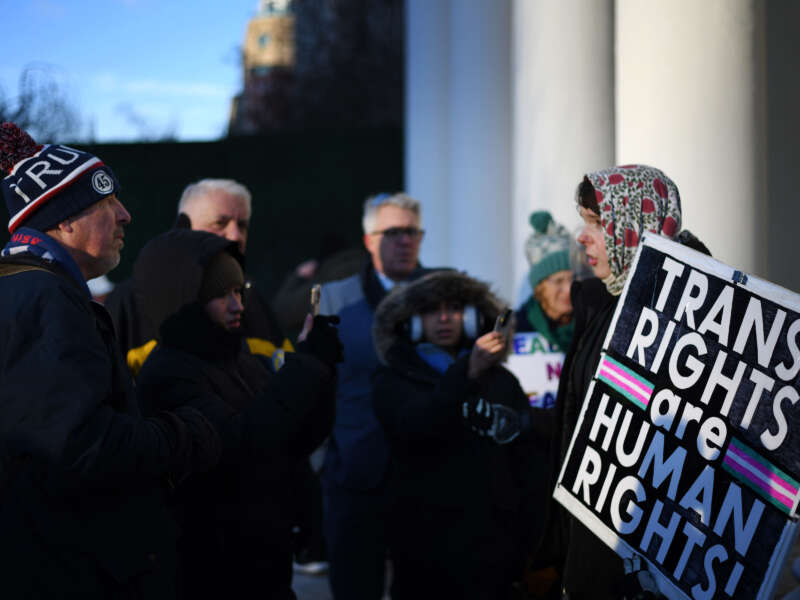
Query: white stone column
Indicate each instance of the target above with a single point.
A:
(690, 101)
(458, 148)
(427, 122)
(563, 98)
(783, 131)
(480, 127)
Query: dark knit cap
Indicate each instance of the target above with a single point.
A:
(48, 184)
(222, 274)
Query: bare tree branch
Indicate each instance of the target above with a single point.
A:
(41, 107)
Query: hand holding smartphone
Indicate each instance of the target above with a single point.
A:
(316, 295)
(503, 321)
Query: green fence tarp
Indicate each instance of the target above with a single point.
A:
(304, 185)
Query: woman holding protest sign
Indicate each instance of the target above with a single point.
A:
(618, 205)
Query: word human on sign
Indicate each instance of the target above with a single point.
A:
(686, 449)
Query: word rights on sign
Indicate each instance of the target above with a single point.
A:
(687, 448)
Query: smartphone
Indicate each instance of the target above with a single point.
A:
(503, 321)
(316, 294)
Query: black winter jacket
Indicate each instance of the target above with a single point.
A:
(236, 518)
(458, 501)
(589, 568)
(436, 459)
(82, 506)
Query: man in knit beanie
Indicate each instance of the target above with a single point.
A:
(68, 194)
(81, 472)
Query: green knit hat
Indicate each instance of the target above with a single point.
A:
(547, 248)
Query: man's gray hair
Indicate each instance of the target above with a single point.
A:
(374, 203)
(206, 186)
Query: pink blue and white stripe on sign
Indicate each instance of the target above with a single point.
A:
(634, 387)
(758, 473)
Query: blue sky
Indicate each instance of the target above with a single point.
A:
(170, 64)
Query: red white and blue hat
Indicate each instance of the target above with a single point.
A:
(48, 184)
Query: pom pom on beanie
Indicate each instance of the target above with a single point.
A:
(15, 145)
(48, 184)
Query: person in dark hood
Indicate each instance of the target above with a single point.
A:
(83, 476)
(223, 207)
(458, 526)
(237, 519)
(618, 205)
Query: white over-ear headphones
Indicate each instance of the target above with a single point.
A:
(415, 328)
(471, 324)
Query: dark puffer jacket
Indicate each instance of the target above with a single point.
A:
(83, 477)
(236, 519)
(567, 544)
(458, 500)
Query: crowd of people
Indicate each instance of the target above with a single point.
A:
(177, 444)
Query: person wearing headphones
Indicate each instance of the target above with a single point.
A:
(457, 495)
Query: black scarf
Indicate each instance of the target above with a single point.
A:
(191, 331)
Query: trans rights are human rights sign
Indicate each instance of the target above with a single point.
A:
(687, 448)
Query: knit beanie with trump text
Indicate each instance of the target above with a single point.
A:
(47, 184)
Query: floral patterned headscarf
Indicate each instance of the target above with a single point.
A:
(633, 199)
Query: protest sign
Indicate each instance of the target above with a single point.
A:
(687, 447)
(537, 365)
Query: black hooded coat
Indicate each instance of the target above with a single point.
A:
(458, 501)
(237, 519)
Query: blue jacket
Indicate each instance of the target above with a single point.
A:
(358, 453)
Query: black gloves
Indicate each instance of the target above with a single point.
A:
(323, 341)
(501, 423)
(478, 415)
(194, 443)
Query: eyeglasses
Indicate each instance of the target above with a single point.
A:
(394, 233)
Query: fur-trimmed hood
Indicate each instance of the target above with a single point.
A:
(394, 312)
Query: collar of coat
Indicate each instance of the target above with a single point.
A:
(372, 287)
(30, 244)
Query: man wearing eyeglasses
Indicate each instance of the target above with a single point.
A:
(357, 455)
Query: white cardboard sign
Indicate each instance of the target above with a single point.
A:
(537, 366)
